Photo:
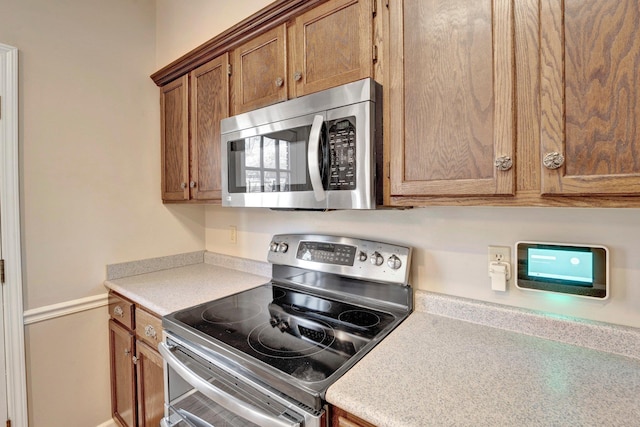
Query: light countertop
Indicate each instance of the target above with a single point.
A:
(437, 370)
(172, 289)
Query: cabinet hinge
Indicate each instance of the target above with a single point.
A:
(374, 7)
(386, 3)
(229, 69)
(374, 53)
(388, 170)
(1, 271)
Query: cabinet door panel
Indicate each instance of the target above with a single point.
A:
(150, 385)
(174, 128)
(451, 97)
(259, 68)
(590, 94)
(209, 104)
(123, 394)
(333, 45)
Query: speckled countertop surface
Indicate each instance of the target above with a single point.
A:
(175, 288)
(453, 362)
(438, 371)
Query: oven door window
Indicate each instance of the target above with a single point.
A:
(212, 404)
(272, 162)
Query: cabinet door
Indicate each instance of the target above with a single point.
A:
(341, 418)
(123, 394)
(590, 96)
(258, 72)
(150, 385)
(174, 128)
(209, 104)
(451, 98)
(333, 45)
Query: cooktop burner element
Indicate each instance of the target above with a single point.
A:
(320, 313)
(232, 313)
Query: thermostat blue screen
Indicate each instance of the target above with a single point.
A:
(561, 264)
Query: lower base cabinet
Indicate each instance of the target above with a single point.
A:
(137, 380)
(342, 418)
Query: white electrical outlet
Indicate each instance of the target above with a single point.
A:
(500, 254)
(233, 234)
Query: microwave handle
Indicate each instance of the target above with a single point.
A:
(312, 158)
(223, 399)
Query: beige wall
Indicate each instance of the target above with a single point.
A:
(450, 243)
(451, 247)
(183, 26)
(90, 178)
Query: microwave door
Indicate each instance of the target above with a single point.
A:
(315, 158)
(272, 165)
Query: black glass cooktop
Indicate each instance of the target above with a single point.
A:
(300, 334)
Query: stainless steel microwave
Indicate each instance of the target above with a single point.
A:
(318, 152)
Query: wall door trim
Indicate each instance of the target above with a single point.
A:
(10, 239)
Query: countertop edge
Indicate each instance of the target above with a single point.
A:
(607, 337)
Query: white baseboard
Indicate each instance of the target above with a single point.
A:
(64, 308)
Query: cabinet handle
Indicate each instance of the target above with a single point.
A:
(127, 352)
(503, 163)
(183, 185)
(135, 360)
(150, 331)
(192, 184)
(118, 311)
(279, 82)
(297, 76)
(553, 160)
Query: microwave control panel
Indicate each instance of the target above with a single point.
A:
(342, 148)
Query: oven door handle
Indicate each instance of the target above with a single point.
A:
(223, 399)
(312, 158)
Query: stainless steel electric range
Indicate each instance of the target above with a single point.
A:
(266, 356)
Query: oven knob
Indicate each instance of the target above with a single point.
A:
(394, 262)
(283, 247)
(362, 256)
(376, 258)
(283, 326)
(273, 247)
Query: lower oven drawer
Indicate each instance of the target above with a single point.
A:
(200, 393)
(195, 409)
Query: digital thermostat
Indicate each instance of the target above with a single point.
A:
(581, 270)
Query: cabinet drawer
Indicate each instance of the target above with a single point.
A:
(121, 310)
(148, 328)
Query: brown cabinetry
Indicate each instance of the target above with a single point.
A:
(450, 106)
(259, 71)
(332, 45)
(137, 381)
(549, 84)
(341, 418)
(329, 45)
(191, 108)
(590, 96)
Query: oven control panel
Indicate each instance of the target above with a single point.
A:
(352, 257)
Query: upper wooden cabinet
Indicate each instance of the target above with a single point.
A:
(259, 71)
(332, 45)
(174, 137)
(191, 160)
(209, 104)
(324, 47)
(451, 129)
(590, 96)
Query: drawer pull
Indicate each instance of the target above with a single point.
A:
(118, 311)
(150, 331)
